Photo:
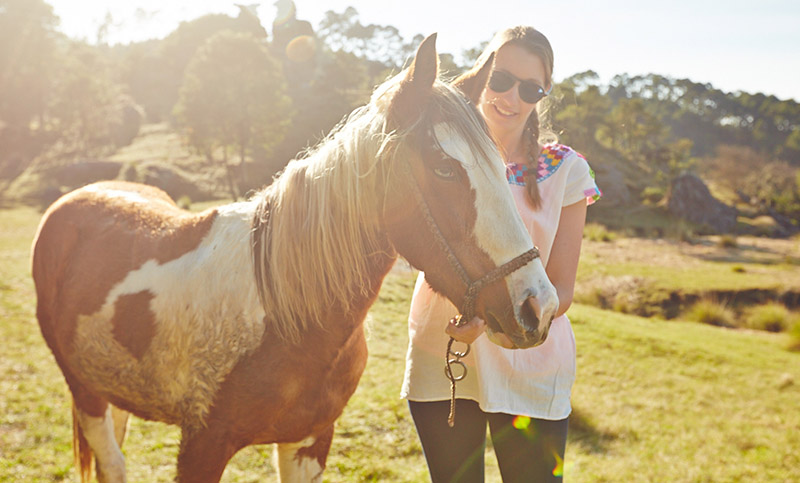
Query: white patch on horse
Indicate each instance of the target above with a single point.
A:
(207, 316)
(294, 467)
(495, 230)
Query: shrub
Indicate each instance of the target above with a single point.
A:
(794, 334)
(184, 202)
(652, 195)
(772, 317)
(711, 313)
(626, 294)
(598, 232)
(727, 241)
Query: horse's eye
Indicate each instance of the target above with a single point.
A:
(444, 172)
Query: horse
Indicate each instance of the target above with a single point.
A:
(243, 324)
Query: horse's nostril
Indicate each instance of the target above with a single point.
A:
(493, 322)
(528, 313)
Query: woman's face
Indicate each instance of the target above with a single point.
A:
(505, 112)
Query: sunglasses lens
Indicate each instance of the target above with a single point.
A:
(530, 92)
(500, 81)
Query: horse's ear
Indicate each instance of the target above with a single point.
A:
(416, 86)
(473, 82)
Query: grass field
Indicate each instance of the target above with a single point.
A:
(655, 400)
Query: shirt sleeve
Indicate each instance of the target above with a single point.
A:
(580, 182)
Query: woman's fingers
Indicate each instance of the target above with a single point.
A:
(468, 332)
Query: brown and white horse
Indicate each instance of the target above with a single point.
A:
(243, 324)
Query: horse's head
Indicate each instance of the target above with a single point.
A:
(449, 210)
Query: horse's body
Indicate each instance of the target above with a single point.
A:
(155, 311)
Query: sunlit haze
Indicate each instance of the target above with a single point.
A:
(734, 45)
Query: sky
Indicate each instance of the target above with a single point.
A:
(734, 45)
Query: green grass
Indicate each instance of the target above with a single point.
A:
(654, 400)
(676, 401)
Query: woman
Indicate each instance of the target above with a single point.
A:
(522, 394)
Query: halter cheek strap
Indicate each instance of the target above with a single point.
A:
(473, 288)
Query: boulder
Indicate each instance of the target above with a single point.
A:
(690, 199)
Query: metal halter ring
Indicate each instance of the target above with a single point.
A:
(448, 370)
(458, 354)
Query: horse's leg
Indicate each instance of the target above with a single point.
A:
(98, 431)
(304, 461)
(204, 453)
(120, 418)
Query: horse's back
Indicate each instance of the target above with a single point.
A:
(87, 243)
(93, 236)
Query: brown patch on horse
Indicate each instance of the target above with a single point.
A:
(134, 324)
(90, 239)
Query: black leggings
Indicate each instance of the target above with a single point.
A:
(532, 450)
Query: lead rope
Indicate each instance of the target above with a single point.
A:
(467, 314)
(473, 289)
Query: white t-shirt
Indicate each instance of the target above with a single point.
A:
(534, 382)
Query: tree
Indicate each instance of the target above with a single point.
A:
(86, 100)
(632, 130)
(154, 69)
(377, 43)
(580, 109)
(233, 99)
(27, 45)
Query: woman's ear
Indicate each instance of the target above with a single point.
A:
(472, 83)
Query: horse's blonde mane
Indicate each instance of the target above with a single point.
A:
(318, 223)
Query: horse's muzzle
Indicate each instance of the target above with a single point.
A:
(531, 328)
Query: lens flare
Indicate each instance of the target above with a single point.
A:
(521, 422)
(558, 471)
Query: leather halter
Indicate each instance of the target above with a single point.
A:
(473, 287)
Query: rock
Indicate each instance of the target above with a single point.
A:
(690, 199)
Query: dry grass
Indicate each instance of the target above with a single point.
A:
(754, 263)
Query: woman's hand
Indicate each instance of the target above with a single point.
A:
(468, 332)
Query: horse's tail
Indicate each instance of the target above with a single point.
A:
(83, 453)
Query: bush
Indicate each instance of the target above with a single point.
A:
(653, 195)
(727, 241)
(711, 313)
(626, 294)
(184, 202)
(794, 342)
(772, 317)
(598, 232)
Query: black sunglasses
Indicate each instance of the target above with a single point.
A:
(529, 91)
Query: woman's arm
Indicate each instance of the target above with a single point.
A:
(562, 266)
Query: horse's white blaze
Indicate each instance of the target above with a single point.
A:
(99, 433)
(206, 313)
(499, 229)
(294, 467)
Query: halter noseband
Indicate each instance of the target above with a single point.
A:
(473, 287)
